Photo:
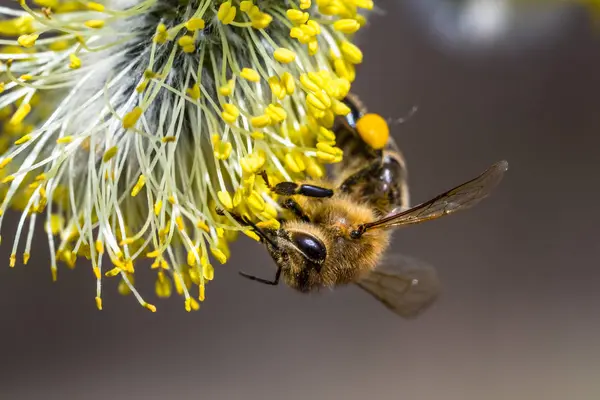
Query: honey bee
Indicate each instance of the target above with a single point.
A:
(338, 230)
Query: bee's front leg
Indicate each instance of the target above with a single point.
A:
(294, 207)
(292, 188)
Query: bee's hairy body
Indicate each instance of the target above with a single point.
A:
(331, 221)
(336, 231)
(366, 186)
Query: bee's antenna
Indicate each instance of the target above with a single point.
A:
(246, 222)
(263, 175)
(402, 120)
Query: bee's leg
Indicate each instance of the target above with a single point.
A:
(361, 174)
(261, 280)
(293, 206)
(292, 188)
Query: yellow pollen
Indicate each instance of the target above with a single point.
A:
(309, 84)
(185, 41)
(202, 225)
(99, 303)
(325, 157)
(284, 56)
(351, 53)
(194, 92)
(179, 223)
(149, 306)
(246, 5)
(20, 114)
(261, 121)
(294, 163)
(99, 247)
(288, 82)
(195, 24)
(131, 118)
(256, 202)
(75, 62)
(94, 23)
(23, 139)
(161, 35)
(347, 26)
(95, 6)
(269, 224)
(374, 130)
(314, 101)
(64, 140)
(276, 112)
(250, 75)
(27, 41)
(110, 153)
(138, 186)
(256, 135)
(227, 89)
(230, 113)
(226, 13)
(225, 199)
(276, 87)
(251, 234)
(5, 162)
(366, 4)
(296, 16)
(219, 255)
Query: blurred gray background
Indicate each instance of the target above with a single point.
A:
(518, 318)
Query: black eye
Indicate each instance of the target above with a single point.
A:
(311, 246)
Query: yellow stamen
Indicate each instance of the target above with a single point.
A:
(351, 53)
(28, 41)
(195, 24)
(23, 139)
(95, 6)
(94, 23)
(20, 114)
(75, 62)
(250, 75)
(226, 13)
(225, 199)
(131, 118)
(346, 25)
(110, 153)
(138, 186)
(284, 55)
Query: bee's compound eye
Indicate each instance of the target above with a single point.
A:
(310, 245)
(374, 130)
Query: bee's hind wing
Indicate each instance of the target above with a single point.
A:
(405, 285)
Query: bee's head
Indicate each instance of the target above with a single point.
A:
(302, 254)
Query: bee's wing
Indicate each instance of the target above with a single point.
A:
(461, 197)
(405, 285)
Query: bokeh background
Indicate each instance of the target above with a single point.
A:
(518, 318)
